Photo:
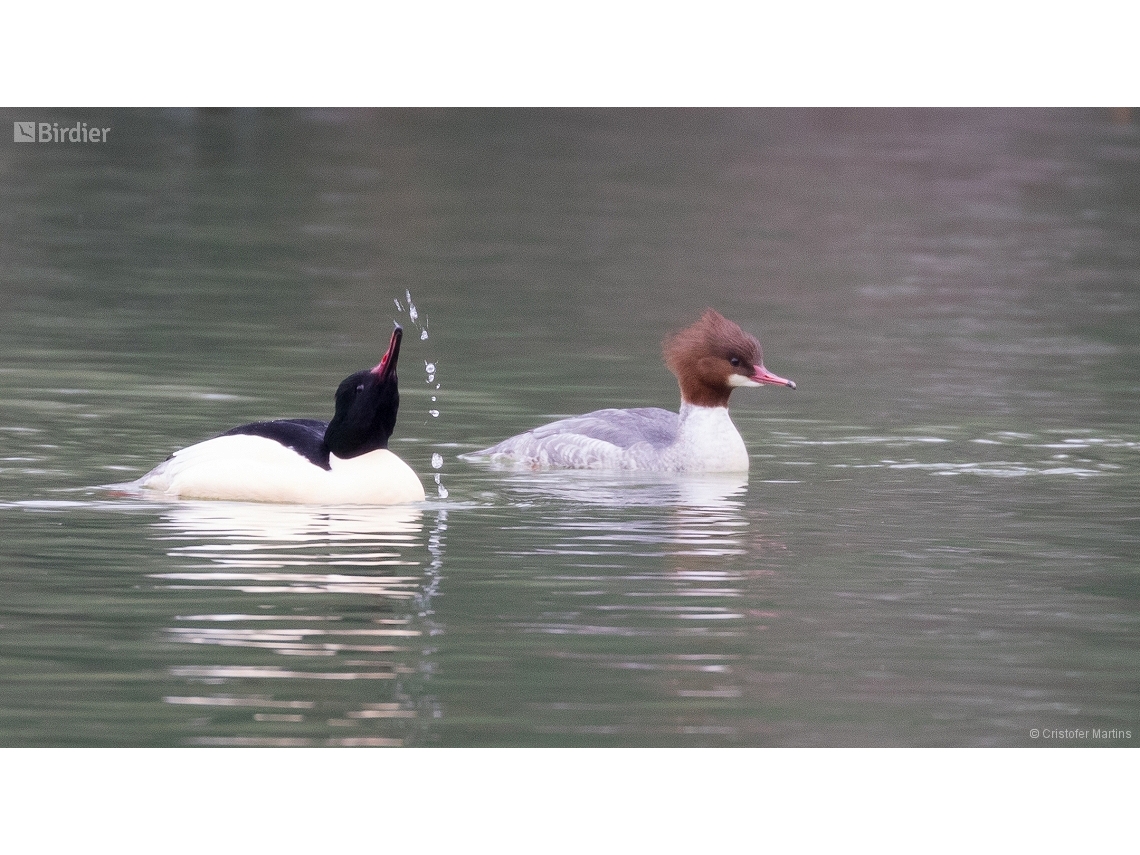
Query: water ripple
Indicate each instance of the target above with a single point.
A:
(372, 630)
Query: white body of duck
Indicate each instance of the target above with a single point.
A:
(256, 469)
(303, 461)
(710, 359)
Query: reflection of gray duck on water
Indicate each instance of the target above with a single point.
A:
(346, 461)
(710, 359)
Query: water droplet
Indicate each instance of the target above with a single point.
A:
(437, 462)
(396, 300)
(423, 335)
(412, 313)
(408, 294)
(442, 492)
(429, 367)
(431, 377)
(433, 398)
(433, 413)
(437, 385)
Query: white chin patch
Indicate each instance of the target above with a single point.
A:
(741, 380)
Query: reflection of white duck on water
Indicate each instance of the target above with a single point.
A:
(276, 552)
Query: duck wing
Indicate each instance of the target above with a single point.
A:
(603, 439)
(304, 436)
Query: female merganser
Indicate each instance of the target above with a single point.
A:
(304, 461)
(709, 359)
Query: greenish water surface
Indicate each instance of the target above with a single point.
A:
(936, 543)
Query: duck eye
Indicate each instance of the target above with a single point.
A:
(734, 362)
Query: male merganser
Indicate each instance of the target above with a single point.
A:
(304, 461)
(709, 359)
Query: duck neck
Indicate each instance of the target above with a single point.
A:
(707, 439)
(699, 416)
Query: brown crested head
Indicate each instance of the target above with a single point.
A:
(714, 356)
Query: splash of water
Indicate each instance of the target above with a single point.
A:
(413, 313)
(430, 370)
